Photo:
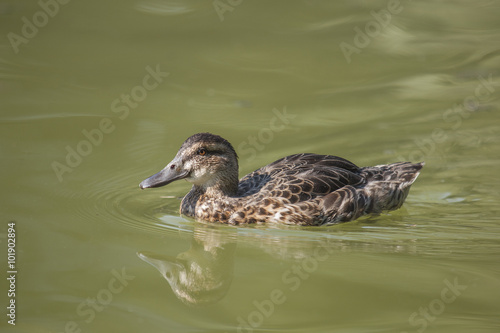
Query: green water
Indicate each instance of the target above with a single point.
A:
(99, 95)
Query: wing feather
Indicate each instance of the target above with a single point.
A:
(300, 177)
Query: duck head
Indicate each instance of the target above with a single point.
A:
(206, 160)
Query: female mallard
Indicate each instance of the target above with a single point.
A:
(302, 189)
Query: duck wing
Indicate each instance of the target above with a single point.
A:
(300, 177)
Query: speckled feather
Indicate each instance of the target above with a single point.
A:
(301, 189)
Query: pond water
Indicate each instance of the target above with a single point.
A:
(97, 96)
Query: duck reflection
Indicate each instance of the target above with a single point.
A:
(203, 274)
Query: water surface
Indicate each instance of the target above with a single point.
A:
(100, 95)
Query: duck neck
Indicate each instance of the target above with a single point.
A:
(225, 186)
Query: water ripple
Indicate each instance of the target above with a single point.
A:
(169, 8)
(127, 205)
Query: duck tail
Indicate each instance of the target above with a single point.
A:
(387, 186)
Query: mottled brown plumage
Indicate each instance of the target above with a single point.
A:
(302, 189)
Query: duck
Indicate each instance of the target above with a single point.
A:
(303, 189)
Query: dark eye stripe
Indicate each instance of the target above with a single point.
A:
(215, 152)
(210, 152)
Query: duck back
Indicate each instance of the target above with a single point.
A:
(385, 187)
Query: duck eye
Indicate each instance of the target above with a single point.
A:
(202, 152)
